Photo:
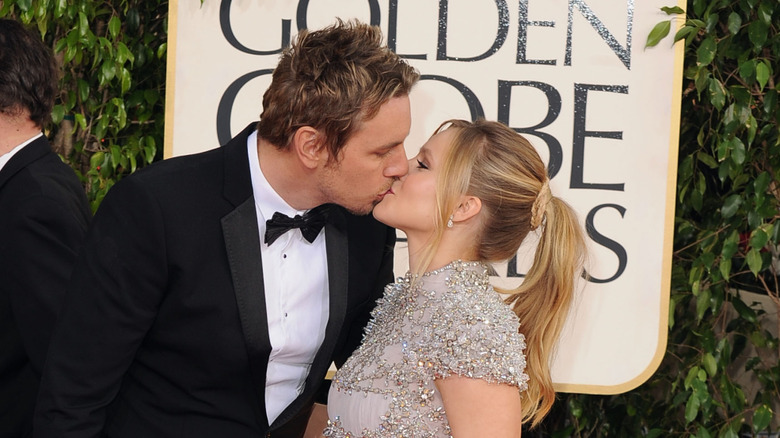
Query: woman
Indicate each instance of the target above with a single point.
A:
(443, 354)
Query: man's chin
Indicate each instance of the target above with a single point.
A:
(362, 210)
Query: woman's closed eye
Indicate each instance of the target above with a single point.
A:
(421, 165)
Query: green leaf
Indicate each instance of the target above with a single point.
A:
(761, 418)
(737, 151)
(684, 32)
(744, 311)
(83, 24)
(116, 154)
(725, 268)
(57, 114)
(751, 126)
(730, 206)
(697, 200)
(706, 51)
(730, 245)
(96, 159)
(754, 260)
(723, 150)
(692, 408)
(747, 69)
(712, 21)
(126, 81)
(765, 13)
(702, 304)
(762, 74)
(59, 8)
(83, 90)
(161, 50)
(702, 79)
(692, 373)
(121, 113)
(710, 364)
(758, 238)
(770, 101)
(123, 53)
(706, 159)
(107, 71)
(761, 184)
(24, 5)
(757, 33)
(734, 23)
(717, 94)
(81, 121)
(696, 22)
(151, 96)
(659, 32)
(672, 10)
(114, 26)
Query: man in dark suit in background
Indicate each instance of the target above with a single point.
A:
(43, 219)
(192, 313)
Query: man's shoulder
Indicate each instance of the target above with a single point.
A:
(181, 167)
(203, 166)
(46, 176)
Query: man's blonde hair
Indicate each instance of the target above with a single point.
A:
(332, 80)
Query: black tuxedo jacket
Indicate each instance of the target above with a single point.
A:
(164, 333)
(43, 219)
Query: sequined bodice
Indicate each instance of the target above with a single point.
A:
(448, 321)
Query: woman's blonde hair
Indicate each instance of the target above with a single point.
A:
(497, 165)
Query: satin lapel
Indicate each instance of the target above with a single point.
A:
(246, 268)
(242, 242)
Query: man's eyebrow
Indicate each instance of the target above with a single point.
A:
(390, 145)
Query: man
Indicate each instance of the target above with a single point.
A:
(43, 219)
(191, 315)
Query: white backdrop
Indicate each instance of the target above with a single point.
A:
(573, 75)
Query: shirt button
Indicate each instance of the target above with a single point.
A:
(284, 256)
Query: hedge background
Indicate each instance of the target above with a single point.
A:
(721, 373)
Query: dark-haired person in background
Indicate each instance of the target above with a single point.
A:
(192, 313)
(44, 216)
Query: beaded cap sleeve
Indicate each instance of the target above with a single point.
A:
(476, 334)
(448, 321)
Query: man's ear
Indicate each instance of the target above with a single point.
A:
(469, 207)
(309, 146)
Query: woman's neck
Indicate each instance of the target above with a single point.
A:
(450, 248)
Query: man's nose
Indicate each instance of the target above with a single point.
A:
(397, 166)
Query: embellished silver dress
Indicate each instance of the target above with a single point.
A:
(447, 322)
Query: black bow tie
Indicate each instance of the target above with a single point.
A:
(310, 224)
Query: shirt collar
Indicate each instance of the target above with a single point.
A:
(267, 201)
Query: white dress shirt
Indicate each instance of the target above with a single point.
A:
(4, 159)
(295, 274)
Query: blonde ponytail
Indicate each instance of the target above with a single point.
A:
(543, 300)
